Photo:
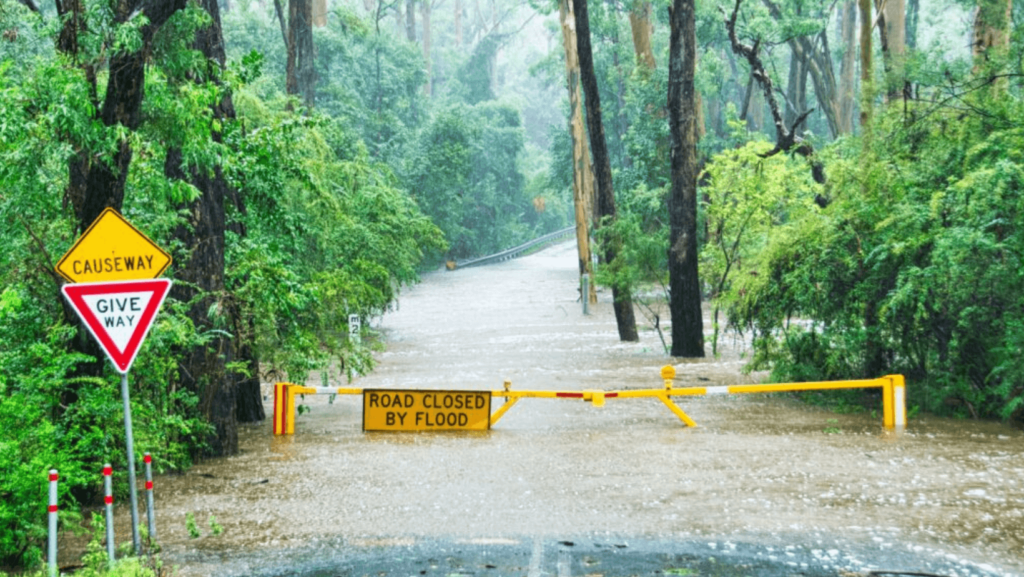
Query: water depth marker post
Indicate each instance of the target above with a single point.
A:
(117, 297)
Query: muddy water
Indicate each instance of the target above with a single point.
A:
(759, 471)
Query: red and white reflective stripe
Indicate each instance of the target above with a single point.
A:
(52, 509)
(147, 459)
(53, 476)
(149, 485)
(109, 499)
(108, 470)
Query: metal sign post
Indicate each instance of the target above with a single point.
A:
(130, 442)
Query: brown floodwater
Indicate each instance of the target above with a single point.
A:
(757, 469)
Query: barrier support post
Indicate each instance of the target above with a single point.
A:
(284, 409)
(675, 409)
(52, 514)
(895, 403)
(509, 402)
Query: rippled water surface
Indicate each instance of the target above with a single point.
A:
(763, 472)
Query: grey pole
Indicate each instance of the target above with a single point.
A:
(136, 539)
(108, 500)
(150, 515)
(585, 294)
(52, 513)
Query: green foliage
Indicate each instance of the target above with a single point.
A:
(914, 268)
(215, 527)
(190, 525)
(745, 197)
(465, 174)
(330, 233)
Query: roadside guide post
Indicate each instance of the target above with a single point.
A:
(117, 297)
(108, 504)
(51, 511)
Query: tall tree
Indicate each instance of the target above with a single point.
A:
(301, 74)
(684, 284)
(425, 7)
(814, 52)
(848, 22)
(410, 20)
(640, 25)
(991, 32)
(223, 395)
(866, 79)
(623, 301)
(796, 89)
(582, 171)
(458, 23)
(892, 32)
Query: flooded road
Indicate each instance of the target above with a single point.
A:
(762, 480)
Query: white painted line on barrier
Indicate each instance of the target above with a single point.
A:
(717, 390)
(901, 404)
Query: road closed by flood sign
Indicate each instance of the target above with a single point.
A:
(419, 410)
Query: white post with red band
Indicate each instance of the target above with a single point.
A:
(150, 515)
(52, 512)
(108, 504)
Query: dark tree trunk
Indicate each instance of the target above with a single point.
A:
(913, 15)
(202, 280)
(684, 285)
(300, 74)
(410, 20)
(796, 91)
(623, 301)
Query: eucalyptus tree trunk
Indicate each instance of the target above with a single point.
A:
(623, 301)
(410, 20)
(640, 25)
(684, 283)
(796, 90)
(991, 32)
(582, 172)
(458, 23)
(894, 49)
(846, 71)
(425, 7)
(866, 79)
(319, 13)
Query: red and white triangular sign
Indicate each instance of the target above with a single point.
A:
(118, 314)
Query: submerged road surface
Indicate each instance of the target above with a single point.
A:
(764, 486)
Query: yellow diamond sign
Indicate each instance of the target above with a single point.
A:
(112, 250)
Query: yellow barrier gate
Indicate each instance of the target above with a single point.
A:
(894, 406)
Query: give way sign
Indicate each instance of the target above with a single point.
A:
(118, 314)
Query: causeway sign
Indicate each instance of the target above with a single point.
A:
(113, 250)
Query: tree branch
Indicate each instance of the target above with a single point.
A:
(785, 137)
